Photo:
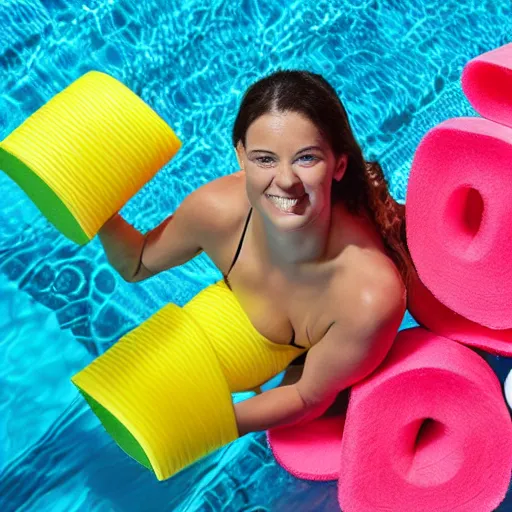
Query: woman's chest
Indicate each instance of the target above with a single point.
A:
(280, 309)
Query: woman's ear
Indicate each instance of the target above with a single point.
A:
(341, 167)
(239, 150)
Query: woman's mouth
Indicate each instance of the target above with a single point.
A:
(286, 204)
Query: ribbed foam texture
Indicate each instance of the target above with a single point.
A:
(162, 383)
(163, 391)
(247, 359)
(83, 154)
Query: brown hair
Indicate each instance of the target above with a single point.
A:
(363, 187)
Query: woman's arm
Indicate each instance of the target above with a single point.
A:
(136, 256)
(348, 352)
(274, 408)
(175, 241)
(123, 246)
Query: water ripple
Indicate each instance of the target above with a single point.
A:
(397, 66)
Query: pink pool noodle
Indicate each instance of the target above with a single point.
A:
(428, 431)
(459, 218)
(487, 83)
(430, 313)
(311, 451)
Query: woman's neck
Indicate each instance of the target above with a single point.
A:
(290, 250)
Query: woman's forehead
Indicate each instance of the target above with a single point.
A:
(283, 129)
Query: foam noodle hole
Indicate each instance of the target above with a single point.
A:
(458, 210)
(429, 443)
(464, 217)
(428, 430)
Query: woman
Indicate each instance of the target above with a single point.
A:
(319, 244)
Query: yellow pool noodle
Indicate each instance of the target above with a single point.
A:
(163, 391)
(86, 152)
(160, 393)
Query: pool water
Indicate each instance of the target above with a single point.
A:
(396, 65)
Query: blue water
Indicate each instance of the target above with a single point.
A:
(397, 66)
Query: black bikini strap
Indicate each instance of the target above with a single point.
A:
(292, 342)
(241, 242)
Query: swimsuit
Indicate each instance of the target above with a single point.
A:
(247, 357)
(238, 250)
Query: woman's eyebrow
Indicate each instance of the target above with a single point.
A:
(307, 148)
(260, 151)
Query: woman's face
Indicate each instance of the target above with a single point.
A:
(289, 168)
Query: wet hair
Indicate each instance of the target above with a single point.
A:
(363, 188)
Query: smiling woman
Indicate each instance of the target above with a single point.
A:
(317, 272)
(289, 182)
(308, 107)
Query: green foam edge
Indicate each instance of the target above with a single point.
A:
(49, 204)
(119, 433)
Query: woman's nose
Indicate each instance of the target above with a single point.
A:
(286, 177)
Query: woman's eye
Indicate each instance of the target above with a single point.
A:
(308, 158)
(268, 161)
(265, 160)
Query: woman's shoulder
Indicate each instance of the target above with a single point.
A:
(377, 280)
(221, 204)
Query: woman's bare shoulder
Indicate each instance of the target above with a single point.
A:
(379, 281)
(221, 204)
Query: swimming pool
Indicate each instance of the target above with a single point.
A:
(397, 66)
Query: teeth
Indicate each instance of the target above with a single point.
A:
(283, 203)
